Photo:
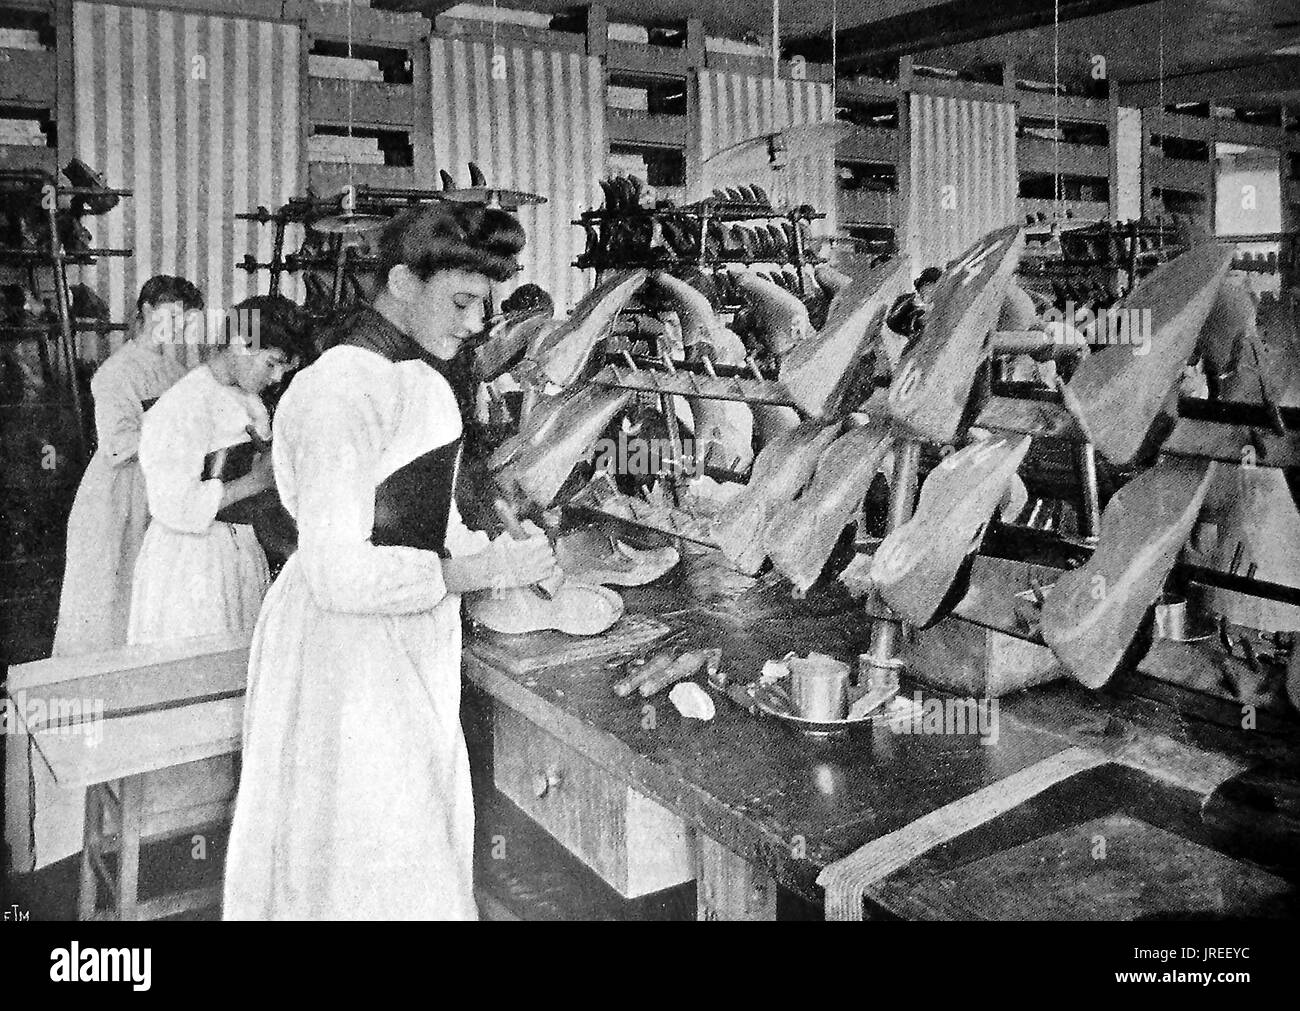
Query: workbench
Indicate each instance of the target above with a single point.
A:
(745, 806)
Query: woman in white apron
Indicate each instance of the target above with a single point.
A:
(196, 573)
(110, 513)
(354, 801)
(105, 529)
(199, 574)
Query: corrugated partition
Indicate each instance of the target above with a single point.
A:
(1128, 164)
(734, 107)
(963, 180)
(198, 115)
(541, 130)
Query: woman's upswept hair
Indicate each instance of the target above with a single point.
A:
(451, 236)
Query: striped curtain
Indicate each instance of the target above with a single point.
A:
(541, 130)
(198, 116)
(734, 107)
(964, 181)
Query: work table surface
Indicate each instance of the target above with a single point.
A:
(791, 804)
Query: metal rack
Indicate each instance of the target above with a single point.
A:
(38, 190)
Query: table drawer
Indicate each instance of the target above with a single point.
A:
(634, 843)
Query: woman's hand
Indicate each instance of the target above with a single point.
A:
(260, 478)
(505, 563)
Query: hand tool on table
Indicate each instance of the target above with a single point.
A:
(516, 530)
(688, 665)
(653, 662)
(635, 657)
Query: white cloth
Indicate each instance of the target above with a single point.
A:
(43, 822)
(355, 797)
(195, 575)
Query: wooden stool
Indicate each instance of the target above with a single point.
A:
(124, 799)
(155, 708)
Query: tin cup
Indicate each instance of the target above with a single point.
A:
(1171, 617)
(819, 688)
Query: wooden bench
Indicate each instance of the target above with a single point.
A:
(162, 706)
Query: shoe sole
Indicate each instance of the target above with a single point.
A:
(916, 565)
(523, 610)
(933, 384)
(1093, 614)
(1117, 394)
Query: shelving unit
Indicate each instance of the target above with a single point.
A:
(29, 73)
(47, 429)
(380, 87)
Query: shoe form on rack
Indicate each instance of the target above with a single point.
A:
(1117, 394)
(817, 373)
(569, 347)
(779, 473)
(917, 565)
(935, 375)
(802, 534)
(1093, 614)
(593, 557)
(576, 608)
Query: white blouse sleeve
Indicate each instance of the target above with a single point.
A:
(173, 443)
(327, 442)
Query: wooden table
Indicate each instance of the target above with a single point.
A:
(764, 807)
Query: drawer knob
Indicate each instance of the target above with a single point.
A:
(546, 782)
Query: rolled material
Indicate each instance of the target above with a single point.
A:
(541, 470)
(656, 664)
(685, 666)
(782, 317)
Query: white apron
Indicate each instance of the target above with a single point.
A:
(195, 575)
(355, 802)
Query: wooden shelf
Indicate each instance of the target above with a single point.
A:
(869, 206)
(626, 126)
(327, 178)
(23, 156)
(373, 103)
(27, 76)
(1033, 154)
(870, 144)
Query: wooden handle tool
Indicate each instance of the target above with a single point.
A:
(656, 663)
(517, 532)
(685, 666)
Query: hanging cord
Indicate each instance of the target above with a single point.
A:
(352, 85)
(1160, 121)
(835, 58)
(776, 62)
(1058, 189)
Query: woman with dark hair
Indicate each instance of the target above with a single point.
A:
(108, 519)
(198, 574)
(354, 800)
